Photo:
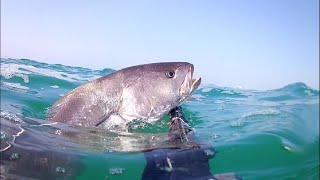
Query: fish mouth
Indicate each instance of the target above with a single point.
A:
(189, 85)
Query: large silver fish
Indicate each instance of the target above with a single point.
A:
(144, 92)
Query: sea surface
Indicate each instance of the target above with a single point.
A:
(272, 134)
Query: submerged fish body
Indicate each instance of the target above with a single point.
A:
(145, 92)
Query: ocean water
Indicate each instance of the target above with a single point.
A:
(271, 134)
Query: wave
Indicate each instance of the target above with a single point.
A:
(24, 68)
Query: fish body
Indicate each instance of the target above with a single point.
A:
(144, 92)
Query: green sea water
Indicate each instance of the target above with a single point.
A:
(271, 134)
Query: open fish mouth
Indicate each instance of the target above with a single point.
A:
(189, 85)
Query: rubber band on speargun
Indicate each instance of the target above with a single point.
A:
(179, 123)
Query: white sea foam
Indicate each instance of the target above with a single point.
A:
(20, 70)
(308, 92)
(55, 86)
(197, 97)
(14, 85)
(269, 112)
(227, 92)
(237, 123)
(11, 116)
(206, 90)
(8, 71)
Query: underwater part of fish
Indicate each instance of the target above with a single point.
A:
(19, 160)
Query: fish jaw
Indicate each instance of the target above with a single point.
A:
(189, 85)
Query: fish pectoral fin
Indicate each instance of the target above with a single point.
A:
(101, 120)
(114, 121)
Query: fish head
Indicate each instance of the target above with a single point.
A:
(157, 88)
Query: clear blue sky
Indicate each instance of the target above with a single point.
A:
(257, 44)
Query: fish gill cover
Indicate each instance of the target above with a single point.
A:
(258, 134)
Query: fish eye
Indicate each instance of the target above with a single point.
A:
(170, 74)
